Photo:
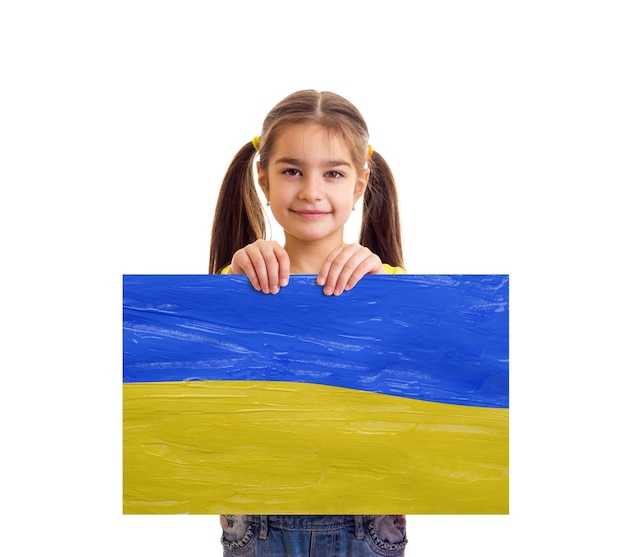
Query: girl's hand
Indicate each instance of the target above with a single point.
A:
(345, 266)
(266, 264)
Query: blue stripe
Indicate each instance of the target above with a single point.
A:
(440, 338)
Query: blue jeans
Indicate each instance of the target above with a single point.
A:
(313, 535)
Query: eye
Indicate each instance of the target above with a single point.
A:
(334, 174)
(291, 172)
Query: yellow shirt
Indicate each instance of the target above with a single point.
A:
(389, 270)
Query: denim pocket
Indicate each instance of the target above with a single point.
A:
(386, 534)
(239, 535)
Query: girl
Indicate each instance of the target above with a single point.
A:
(314, 164)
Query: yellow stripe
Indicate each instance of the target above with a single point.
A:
(255, 447)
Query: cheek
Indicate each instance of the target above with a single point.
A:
(342, 207)
(350, 198)
(278, 197)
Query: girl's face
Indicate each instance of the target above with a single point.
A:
(312, 184)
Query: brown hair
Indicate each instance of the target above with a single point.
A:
(239, 218)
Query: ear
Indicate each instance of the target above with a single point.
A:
(361, 184)
(262, 179)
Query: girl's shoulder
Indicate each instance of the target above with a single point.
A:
(389, 270)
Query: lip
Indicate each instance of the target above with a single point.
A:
(311, 214)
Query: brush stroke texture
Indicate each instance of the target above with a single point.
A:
(392, 398)
(268, 447)
(438, 338)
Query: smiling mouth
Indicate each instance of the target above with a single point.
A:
(311, 214)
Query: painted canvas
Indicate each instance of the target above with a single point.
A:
(392, 398)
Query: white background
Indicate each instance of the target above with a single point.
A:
(504, 125)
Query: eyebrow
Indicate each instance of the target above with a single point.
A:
(298, 162)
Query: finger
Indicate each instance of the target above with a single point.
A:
(371, 264)
(344, 262)
(242, 264)
(271, 254)
(349, 266)
(265, 267)
(323, 274)
(271, 264)
(351, 272)
(284, 265)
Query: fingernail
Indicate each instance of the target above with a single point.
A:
(321, 281)
(284, 282)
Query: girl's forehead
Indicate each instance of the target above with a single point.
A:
(308, 139)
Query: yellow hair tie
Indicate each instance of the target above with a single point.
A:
(256, 141)
(370, 151)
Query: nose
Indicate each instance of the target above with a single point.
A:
(312, 189)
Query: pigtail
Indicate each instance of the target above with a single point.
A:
(239, 219)
(380, 227)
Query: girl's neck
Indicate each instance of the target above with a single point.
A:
(306, 258)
